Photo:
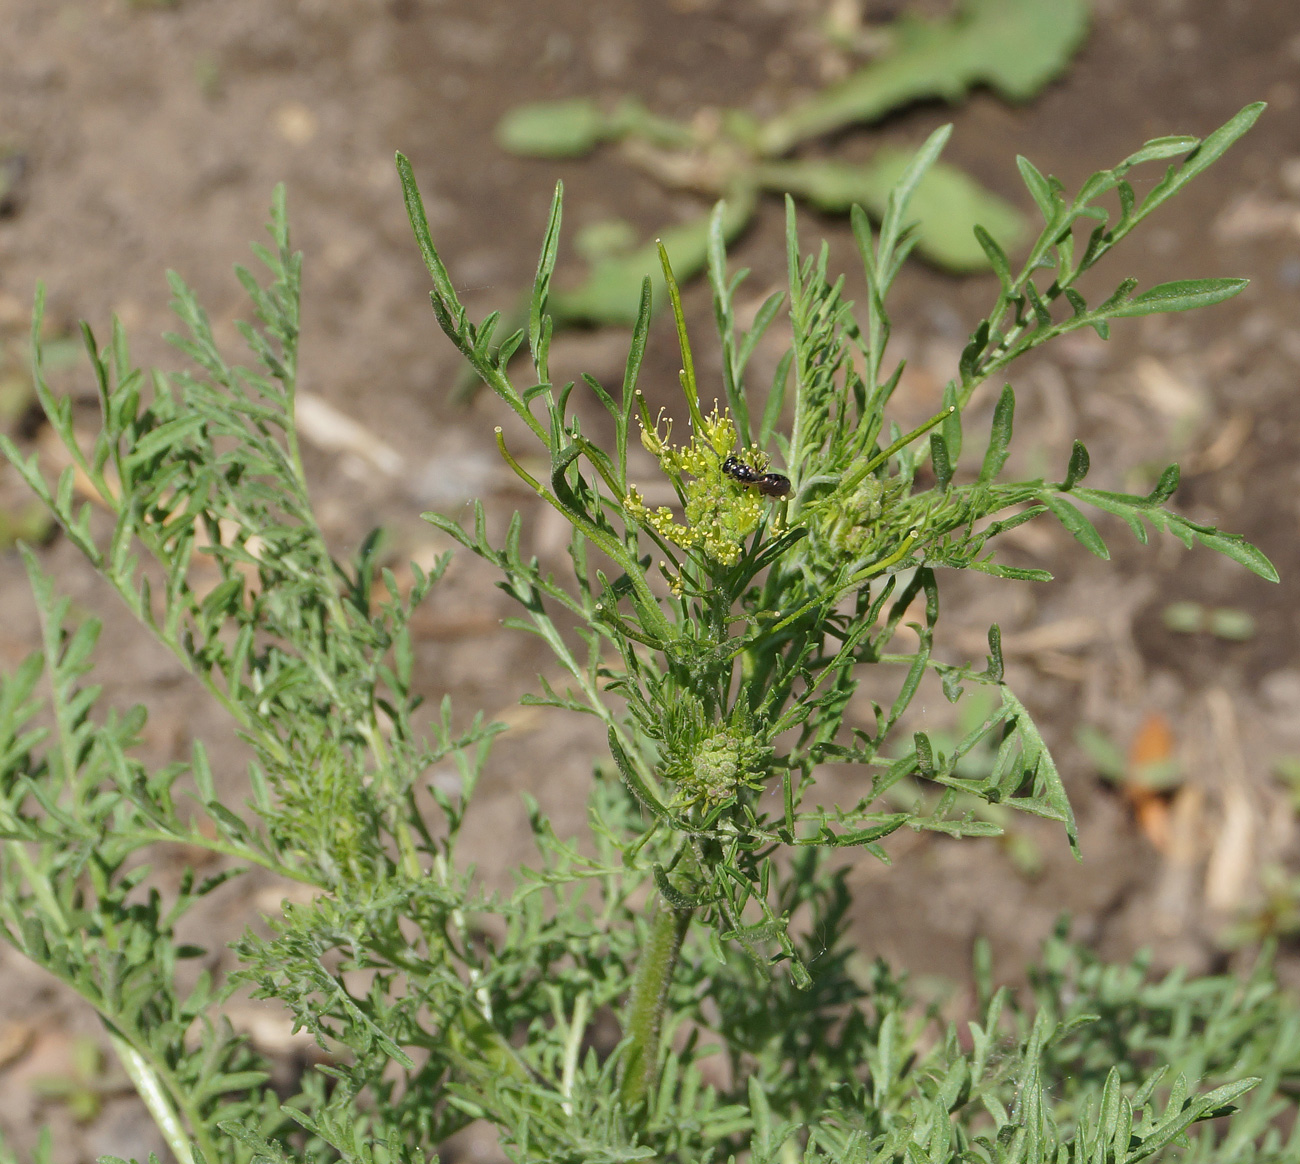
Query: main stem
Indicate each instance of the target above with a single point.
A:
(654, 975)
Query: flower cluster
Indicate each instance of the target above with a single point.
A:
(848, 525)
(720, 514)
(711, 760)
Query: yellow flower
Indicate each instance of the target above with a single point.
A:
(720, 514)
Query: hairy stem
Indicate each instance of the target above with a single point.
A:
(654, 974)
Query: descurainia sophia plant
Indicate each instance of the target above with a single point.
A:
(719, 645)
(737, 679)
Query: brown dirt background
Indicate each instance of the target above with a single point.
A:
(153, 137)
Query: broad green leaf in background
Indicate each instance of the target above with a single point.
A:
(1013, 46)
(947, 204)
(612, 292)
(553, 129)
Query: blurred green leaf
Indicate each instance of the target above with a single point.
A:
(598, 241)
(1013, 46)
(553, 129)
(1223, 622)
(947, 204)
(32, 523)
(611, 294)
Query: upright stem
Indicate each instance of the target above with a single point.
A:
(654, 975)
(154, 1092)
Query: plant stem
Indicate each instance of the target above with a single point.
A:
(654, 974)
(153, 1092)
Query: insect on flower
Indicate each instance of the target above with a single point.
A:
(768, 484)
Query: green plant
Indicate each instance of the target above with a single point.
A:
(1014, 47)
(701, 912)
(1224, 622)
